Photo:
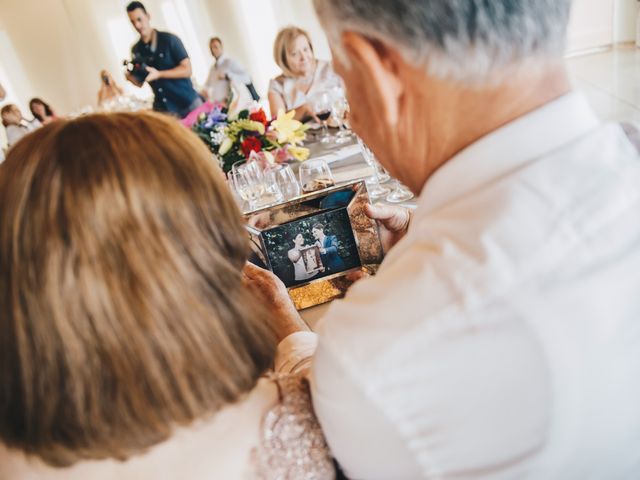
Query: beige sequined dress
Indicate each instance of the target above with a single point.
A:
(291, 445)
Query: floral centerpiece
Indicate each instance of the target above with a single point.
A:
(236, 137)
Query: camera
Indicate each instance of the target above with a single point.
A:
(137, 68)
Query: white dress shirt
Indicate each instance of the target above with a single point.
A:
(218, 89)
(501, 337)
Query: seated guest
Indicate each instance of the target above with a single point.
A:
(42, 111)
(130, 346)
(500, 337)
(109, 89)
(302, 74)
(224, 71)
(15, 124)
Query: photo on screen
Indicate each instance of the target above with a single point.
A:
(313, 247)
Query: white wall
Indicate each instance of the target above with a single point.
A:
(591, 24)
(625, 15)
(599, 23)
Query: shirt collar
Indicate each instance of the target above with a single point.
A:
(520, 141)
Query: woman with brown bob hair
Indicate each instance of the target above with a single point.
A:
(130, 346)
(303, 76)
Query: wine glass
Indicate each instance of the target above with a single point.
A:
(383, 175)
(284, 178)
(322, 106)
(248, 180)
(373, 183)
(339, 109)
(399, 193)
(315, 175)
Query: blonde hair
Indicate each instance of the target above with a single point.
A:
(122, 308)
(282, 44)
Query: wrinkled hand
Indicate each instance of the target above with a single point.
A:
(270, 290)
(154, 74)
(394, 222)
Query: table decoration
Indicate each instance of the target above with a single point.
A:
(235, 136)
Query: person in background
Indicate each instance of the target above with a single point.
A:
(109, 89)
(41, 111)
(500, 337)
(303, 76)
(167, 66)
(224, 71)
(131, 347)
(15, 124)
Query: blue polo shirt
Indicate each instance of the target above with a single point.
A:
(175, 95)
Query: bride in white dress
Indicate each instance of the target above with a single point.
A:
(295, 255)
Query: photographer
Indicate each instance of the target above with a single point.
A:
(160, 59)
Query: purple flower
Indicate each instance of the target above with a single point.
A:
(215, 117)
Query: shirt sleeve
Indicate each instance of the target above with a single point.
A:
(235, 72)
(211, 78)
(294, 353)
(178, 52)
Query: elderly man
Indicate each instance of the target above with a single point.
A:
(501, 336)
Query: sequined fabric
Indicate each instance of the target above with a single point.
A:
(291, 445)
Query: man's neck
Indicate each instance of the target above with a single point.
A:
(149, 37)
(459, 116)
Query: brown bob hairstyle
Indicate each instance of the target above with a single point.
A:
(282, 44)
(122, 308)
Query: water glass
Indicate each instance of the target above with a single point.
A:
(248, 181)
(315, 175)
(400, 193)
(373, 183)
(284, 178)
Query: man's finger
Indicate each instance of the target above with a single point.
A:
(380, 212)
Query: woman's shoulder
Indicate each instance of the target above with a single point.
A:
(277, 83)
(291, 443)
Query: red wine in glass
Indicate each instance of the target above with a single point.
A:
(324, 116)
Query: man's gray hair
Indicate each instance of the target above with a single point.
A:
(464, 40)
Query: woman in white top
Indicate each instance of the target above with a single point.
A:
(303, 76)
(131, 346)
(15, 124)
(300, 271)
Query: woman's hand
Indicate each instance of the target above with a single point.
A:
(270, 290)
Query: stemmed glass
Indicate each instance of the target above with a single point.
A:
(322, 106)
(248, 181)
(282, 176)
(373, 183)
(315, 175)
(339, 109)
(400, 193)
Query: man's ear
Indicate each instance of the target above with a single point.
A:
(378, 65)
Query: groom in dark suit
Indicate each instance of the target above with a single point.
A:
(328, 249)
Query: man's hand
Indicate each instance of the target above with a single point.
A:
(154, 74)
(394, 222)
(271, 291)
